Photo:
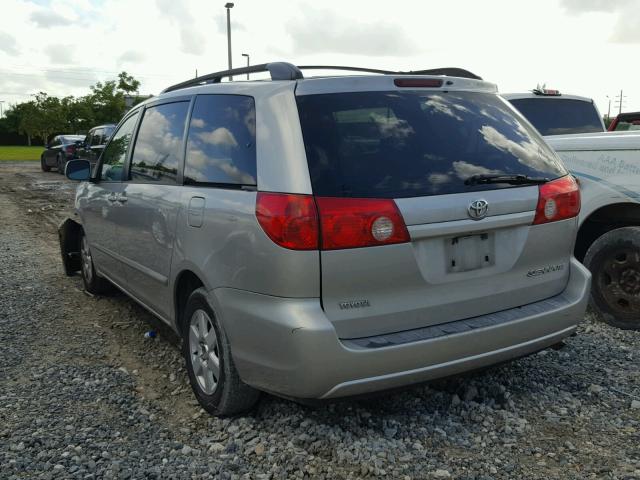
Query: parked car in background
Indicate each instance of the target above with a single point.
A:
(332, 236)
(608, 242)
(59, 151)
(553, 113)
(625, 121)
(94, 143)
(608, 167)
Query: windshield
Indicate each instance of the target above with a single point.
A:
(556, 116)
(409, 144)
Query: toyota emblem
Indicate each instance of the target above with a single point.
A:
(478, 209)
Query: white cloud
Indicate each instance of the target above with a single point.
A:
(8, 44)
(197, 122)
(48, 19)
(220, 137)
(324, 30)
(191, 41)
(131, 56)
(59, 53)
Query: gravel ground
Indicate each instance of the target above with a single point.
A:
(84, 395)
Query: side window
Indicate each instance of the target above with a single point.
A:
(55, 142)
(221, 145)
(96, 138)
(158, 148)
(115, 153)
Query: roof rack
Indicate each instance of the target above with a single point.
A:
(288, 71)
(278, 71)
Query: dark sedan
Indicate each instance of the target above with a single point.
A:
(94, 143)
(59, 151)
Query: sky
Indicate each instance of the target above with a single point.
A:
(581, 47)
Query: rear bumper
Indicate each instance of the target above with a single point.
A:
(288, 346)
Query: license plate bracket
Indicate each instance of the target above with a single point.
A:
(470, 252)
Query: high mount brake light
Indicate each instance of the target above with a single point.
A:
(548, 92)
(300, 222)
(557, 200)
(417, 82)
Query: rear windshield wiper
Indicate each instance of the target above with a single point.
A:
(510, 179)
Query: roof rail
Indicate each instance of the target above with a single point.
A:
(287, 71)
(447, 71)
(278, 71)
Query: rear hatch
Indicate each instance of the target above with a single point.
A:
(416, 148)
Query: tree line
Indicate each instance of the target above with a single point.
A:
(44, 115)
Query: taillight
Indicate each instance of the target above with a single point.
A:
(558, 200)
(297, 222)
(359, 222)
(70, 149)
(291, 221)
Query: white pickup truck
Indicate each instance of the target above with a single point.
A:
(607, 165)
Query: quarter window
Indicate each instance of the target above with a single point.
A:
(158, 148)
(221, 145)
(115, 153)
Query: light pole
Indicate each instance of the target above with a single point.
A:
(248, 64)
(229, 6)
(609, 108)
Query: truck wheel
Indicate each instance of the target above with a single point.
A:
(614, 262)
(44, 166)
(93, 283)
(212, 373)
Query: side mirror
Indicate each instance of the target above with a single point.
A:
(79, 170)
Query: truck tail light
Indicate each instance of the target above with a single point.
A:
(359, 222)
(300, 222)
(557, 200)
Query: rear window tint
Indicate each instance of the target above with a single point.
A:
(554, 116)
(409, 144)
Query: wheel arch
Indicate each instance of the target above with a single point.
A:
(69, 234)
(602, 220)
(186, 282)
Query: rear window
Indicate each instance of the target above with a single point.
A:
(410, 144)
(554, 116)
(624, 125)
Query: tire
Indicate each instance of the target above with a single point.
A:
(219, 389)
(44, 166)
(614, 262)
(93, 283)
(61, 164)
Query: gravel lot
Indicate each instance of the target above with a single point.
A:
(84, 395)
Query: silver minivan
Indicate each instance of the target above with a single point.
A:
(331, 236)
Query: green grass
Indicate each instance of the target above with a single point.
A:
(15, 154)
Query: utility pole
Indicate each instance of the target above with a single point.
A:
(620, 99)
(229, 6)
(247, 55)
(609, 108)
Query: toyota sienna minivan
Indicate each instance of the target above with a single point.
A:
(324, 237)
